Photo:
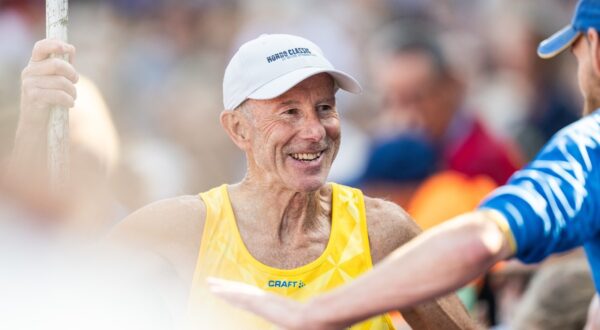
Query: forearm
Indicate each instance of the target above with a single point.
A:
(435, 263)
(30, 141)
(47, 82)
(28, 156)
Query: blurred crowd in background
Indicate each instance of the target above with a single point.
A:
(455, 100)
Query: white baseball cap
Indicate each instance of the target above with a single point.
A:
(271, 64)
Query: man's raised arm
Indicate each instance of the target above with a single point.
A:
(46, 82)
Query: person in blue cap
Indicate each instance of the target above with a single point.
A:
(550, 206)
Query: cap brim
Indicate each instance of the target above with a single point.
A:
(284, 83)
(558, 42)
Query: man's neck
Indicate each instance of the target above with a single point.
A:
(280, 212)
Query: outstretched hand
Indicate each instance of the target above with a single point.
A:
(284, 312)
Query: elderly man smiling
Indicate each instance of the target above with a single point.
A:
(283, 228)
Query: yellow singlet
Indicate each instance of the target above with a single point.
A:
(224, 255)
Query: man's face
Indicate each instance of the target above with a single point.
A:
(294, 138)
(588, 81)
(413, 94)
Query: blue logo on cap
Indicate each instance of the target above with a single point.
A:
(287, 54)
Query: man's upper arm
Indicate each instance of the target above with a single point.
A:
(389, 228)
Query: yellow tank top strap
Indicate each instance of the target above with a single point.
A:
(349, 210)
(213, 200)
(355, 255)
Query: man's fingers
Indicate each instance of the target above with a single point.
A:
(232, 286)
(214, 282)
(238, 294)
(44, 98)
(51, 67)
(51, 82)
(47, 81)
(58, 98)
(280, 310)
(46, 47)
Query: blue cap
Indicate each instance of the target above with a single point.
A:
(587, 15)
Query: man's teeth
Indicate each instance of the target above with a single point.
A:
(305, 156)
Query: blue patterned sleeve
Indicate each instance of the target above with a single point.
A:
(552, 204)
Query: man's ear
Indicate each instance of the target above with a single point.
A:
(237, 127)
(594, 43)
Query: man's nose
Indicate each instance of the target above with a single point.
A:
(312, 129)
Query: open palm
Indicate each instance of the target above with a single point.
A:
(279, 310)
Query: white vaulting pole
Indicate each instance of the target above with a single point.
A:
(58, 125)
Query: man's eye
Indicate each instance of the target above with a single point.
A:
(324, 107)
(290, 112)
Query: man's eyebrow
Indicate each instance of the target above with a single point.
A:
(295, 102)
(288, 102)
(327, 100)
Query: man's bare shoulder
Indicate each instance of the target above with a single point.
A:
(389, 227)
(163, 218)
(171, 228)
